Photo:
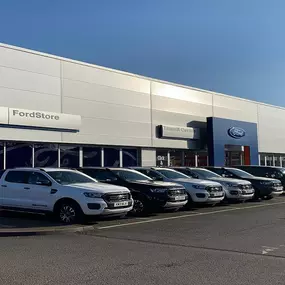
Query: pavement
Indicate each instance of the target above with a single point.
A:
(235, 244)
(24, 224)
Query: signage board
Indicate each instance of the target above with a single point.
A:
(179, 132)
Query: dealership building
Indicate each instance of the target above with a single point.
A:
(60, 112)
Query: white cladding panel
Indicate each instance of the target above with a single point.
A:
(29, 62)
(148, 157)
(119, 108)
(29, 100)
(181, 107)
(24, 80)
(99, 76)
(271, 129)
(234, 108)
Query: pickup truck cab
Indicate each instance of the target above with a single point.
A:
(265, 188)
(68, 194)
(148, 195)
(235, 189)
(199, 191)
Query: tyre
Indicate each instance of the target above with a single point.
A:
(139, 207)
(68, 212)
(190, 203)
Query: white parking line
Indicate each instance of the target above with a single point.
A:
(188, 215)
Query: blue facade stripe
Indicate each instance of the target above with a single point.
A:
(221, 132)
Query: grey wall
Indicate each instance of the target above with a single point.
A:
(119, 108)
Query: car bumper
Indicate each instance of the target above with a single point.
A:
(96, 207)
(273, 192)
(207, 199)
(237, 194)
(170, 205)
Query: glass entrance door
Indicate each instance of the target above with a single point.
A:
(233, 158)
(234, 155)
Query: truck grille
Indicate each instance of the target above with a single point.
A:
(117, 197)
(212, 189)
(245, 187)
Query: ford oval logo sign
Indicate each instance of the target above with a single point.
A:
(236, 132)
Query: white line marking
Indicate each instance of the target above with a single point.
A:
(267, 249)
(186, 216)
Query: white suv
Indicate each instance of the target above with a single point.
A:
(69, 194)
(199, 191)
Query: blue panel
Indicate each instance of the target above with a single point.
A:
(223, 131)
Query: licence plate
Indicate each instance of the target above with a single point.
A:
(216, 194)
(279, 188)
(179, 198)
(121, 204)
(248, 191)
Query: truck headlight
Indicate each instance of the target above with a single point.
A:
(92, 195)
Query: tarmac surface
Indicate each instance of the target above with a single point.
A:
(234, 244)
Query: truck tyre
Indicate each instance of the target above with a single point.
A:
(139, 207)
(68, 212)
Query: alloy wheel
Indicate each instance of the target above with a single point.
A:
(67, 214)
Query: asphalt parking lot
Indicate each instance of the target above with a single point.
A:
(234, 244)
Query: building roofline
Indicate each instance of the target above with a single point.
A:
(133, 74)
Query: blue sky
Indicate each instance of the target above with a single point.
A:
(235, 47)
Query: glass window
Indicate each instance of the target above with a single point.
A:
(18, 155)
(37, 178)
(69, 177)
(111, 157)
(46, 155)
(151, 173)
(269, 160)
(202, 159)
(176, 157)
(172, 174)
(277, 160)
(130, 157)
(100, 174)
(239, 173)
(1, 155)
(283, 161)
(17, 176)
(189, 158)
(131, 175)
(161, 158)
(69, 156)
(262, 159)
(204, 173)
(91, 156)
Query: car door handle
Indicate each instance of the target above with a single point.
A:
(27, 188)
(3, 185)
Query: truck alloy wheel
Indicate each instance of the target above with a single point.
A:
(139, 207)
(68, 213)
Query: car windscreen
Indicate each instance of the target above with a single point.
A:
(69, 177)
(131, 175)
(239, 173)
(172, 174)
(205, 173)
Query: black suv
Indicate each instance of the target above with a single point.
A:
(265, 188)
(265, 171)
(148, 195)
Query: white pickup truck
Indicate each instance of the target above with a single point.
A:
(68, 194)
